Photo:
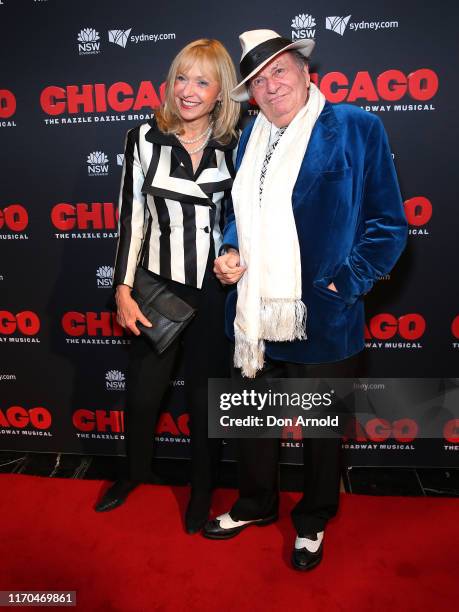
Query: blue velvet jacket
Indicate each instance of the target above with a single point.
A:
(351, 230)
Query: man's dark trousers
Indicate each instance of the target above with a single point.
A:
(258, 459)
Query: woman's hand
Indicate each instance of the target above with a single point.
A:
(227, 267)
(128, 311)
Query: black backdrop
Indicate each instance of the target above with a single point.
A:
(75, 75)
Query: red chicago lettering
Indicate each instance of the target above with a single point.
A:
(52, 100)
(74, 323)
(411, 326)
(7, 103)
(423, 84)
(25, 322)
(17, 416)
(120, 97)
(77, 98)
(362, 88)
(147, 96)
(14, 217)
(99, 420)
(384, 326)
(418, 210)
(379, 430)
(405, 430)
(92, 324)
(167, 425)
(293, 432)
(451, 431)
(455, 327)
(83, 419)
(103, 322)
(333, 85)
(83, 216)
(90, 98)
(391, 85)
(112, 420)
(63, 216)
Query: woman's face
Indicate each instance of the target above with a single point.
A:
(196, 91)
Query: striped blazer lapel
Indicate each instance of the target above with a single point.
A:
(216, 176)
(165, 177)
(166, 184)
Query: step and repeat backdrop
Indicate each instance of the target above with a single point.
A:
(75, 75)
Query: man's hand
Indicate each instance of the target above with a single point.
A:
(332, 287)
(128, 311)
(227, 267)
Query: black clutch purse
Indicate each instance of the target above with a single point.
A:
(168, 314)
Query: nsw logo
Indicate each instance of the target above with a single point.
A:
(97, 164)
(119, 37)
(115, 380)
(104, 276)
(303, 26)
(337, 24)
(88, 42)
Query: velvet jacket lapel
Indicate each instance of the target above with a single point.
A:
(319, 153)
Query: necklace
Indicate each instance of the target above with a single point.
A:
(207, 132)
(207, 135)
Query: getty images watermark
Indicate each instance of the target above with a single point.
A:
(264, 408)
(323, 408)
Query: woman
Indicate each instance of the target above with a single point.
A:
(177, 178)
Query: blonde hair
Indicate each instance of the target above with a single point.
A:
(225, 114)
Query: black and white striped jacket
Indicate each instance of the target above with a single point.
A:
(169, 219)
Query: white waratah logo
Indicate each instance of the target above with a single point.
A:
(88, 41)
(119, 37)
(303, 26)
(303, 21)
(88, 35)
(97, 157)
(104, 276)
(97, 164)
(114, 375)
(115, 380)
(104, 272)
(337, 24)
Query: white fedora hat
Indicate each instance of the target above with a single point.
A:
(258, 48)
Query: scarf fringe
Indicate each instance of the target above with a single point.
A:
(282, 320)
(249, 356)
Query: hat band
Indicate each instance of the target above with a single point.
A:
(261, 53)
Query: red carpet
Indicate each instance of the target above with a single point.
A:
(381, 553)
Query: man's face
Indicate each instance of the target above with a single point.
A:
(281, 89)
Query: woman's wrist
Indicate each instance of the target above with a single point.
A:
(123, 290)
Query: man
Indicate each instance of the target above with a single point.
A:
(317, 219)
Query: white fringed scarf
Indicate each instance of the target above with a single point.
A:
(269, 305)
